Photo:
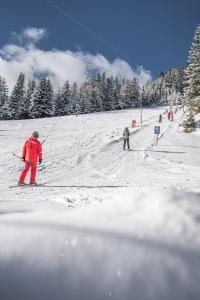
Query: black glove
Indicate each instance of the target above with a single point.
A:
(40, 161)
(23, 158)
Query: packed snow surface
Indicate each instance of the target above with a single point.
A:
(106, 223)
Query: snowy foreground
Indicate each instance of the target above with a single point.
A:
(108, 223)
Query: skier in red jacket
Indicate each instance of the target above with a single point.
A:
(169, 115)
(32, 151)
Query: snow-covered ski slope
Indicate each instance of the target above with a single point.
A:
(107, 223)
(84, 151)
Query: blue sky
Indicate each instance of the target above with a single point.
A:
(156, 34)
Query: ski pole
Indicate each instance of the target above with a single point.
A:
(18, 156)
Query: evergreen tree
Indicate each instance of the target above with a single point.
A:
(5, 111)
(84, 98)
(74, 105)
(95, 100)
(42, 105)
(108, 93)
(145, 98)
(165, 89)
(111, 92)
(3, 98)
(117, 95)
(94, 88)
(17, 97)
(58, 103)
(27, 99)
(104, 93)
(63, 100)
(189, 123)
(131, 93)
(192, 91)
(3, 91)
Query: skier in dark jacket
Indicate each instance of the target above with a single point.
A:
(126, 135)
(160, 118)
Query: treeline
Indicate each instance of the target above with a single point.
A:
(38, 100)
(99, 93)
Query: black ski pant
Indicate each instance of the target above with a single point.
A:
(126, 141)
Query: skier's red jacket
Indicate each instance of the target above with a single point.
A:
(32, 150)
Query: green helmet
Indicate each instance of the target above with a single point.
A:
(36, 134)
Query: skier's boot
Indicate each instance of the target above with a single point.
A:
(33, 183)
(21, 183)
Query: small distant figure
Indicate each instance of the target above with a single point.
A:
(169, 115)
(126, 135)
(160, 118)
(31, 153)
(172, 115)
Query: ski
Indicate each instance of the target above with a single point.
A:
(26, 185)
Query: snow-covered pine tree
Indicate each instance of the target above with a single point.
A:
(104, 93)
(84, 98)
(189, 123)
(117, 95)
(16, 102)
(3, 98)
(42, 105)
(74, 105)
(108, 101)
(94, 100)
(27, 99)
(5, 112)
(136, 93)
(95, 93)
(58, 103)
(63, 100)
(179, 98)
(169, 84)
(177, 79)
(111, 92)
(100, 85)
(192, 90)
(146, 99)
(3, 91)
(131, 93)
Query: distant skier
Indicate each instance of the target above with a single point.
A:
(126, 135)
(32, 151)
(169, 115)
(172, 115)
(160, 118)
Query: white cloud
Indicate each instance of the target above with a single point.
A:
(59, 65)
(34, 34)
